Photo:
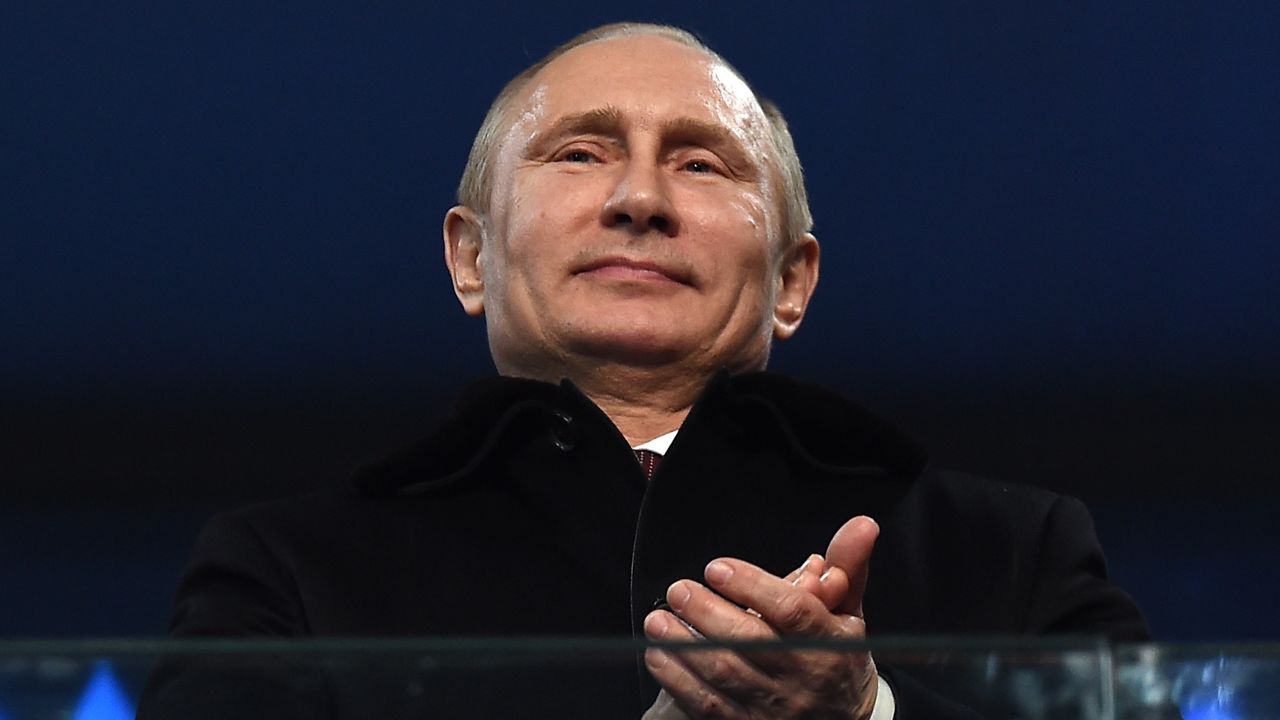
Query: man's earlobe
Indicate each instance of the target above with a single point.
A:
(798, 276)
(786, 320)
(462, 256)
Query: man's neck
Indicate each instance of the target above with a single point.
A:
(639, 424)
(643, 403)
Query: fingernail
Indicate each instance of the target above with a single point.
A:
(655, 658)
(718, 572)
(826, 574)
(678, 595)
(655, 625)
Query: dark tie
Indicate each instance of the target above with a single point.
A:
(648, 462)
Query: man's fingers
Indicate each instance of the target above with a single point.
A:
(713, 616)
(664, 707)
(816, 577)
(719, 683)
(832, 587)
(700, 680)
(811, 569)
(786, 608)
(850, 550)
(695, 697)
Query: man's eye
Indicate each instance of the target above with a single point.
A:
(577, 156)
(699, 166)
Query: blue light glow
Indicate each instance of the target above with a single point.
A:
(103, 698)
(1211, 711)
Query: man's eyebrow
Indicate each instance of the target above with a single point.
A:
(599, 121)
(610, 122)
(713, 136)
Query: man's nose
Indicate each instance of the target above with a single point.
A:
(641, 201)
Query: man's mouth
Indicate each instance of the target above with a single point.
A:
(622, 268)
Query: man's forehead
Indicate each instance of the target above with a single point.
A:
(643, 77)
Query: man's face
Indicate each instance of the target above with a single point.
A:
(635, 219)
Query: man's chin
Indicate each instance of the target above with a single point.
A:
(668, 347)
(631, 349)
(629, 341)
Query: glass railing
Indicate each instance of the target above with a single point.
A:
(1037, 679)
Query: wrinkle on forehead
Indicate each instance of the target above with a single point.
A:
(724, 95)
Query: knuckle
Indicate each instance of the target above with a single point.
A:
(776, 701)
(720, 672)
(855, 626)
(803, 704)
(709, 704)
(747, 626)
(793, 613)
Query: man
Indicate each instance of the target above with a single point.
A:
(633, 228)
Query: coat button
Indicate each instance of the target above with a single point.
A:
(562, 432)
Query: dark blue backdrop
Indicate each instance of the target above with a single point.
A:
(1050, 249)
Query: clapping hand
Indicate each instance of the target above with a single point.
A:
(739, 601)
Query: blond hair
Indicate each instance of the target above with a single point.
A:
(476, 187)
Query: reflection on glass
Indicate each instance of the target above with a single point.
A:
(103, 698)
(1241, 683)
(487, 678)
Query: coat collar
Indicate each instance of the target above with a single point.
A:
(821, 427)
(483, 413)
(824, 428)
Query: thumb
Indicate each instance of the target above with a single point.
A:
(850, 550)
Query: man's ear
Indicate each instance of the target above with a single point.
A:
(798, 276)
(462, 235)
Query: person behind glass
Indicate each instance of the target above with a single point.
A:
(633, 228)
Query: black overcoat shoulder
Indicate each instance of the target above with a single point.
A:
(527, 514)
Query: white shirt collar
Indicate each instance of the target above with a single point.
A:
(660, 444)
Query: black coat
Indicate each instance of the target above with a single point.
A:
(527, 514)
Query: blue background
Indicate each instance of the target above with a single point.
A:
(1050, 252)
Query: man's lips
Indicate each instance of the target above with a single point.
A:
(631, 269)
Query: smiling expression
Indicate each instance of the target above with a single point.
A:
(635, 219)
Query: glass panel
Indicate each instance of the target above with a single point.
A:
(471, 678)
(1225, 682)
(570, 678)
